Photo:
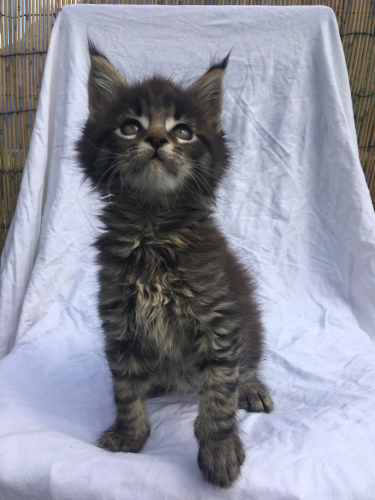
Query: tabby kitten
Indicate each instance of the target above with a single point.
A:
(177, 307)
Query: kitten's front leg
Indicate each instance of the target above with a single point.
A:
(130, 383)
(221, 452)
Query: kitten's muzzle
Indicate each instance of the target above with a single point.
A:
(156, 140)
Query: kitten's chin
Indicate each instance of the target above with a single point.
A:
(156, 167)
(156, 178)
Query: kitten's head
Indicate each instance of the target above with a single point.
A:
(154, 138)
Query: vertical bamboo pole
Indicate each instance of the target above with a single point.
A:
(359, 45)
(340, 15)
(49, 22)
(35, 55)
(359, 106)
(2, 117)
(40, 41)
(8, 128)
(2, 148)
(17, 114)
(367, 105)
(13, 76)
(366, 68)
(21, 90)
(370, 167)
(347, 24)
(355, 42)
(28, 72)
(369, 27)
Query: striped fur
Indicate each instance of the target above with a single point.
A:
(177, 307)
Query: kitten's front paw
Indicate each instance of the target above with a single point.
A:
(254, 397)
(116, 438)
(220, 461)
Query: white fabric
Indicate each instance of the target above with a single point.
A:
(296, 208)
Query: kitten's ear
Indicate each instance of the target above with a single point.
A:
(104, 84)
(209, 89)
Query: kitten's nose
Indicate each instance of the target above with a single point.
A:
(156, 140)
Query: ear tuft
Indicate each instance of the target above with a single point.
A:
(93, 50)
(220, 64)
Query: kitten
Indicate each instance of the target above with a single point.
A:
(177, 307)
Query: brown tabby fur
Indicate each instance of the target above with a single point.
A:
(177, 307)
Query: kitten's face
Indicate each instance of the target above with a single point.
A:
(156, 139)
(155, 149)
(153, 138)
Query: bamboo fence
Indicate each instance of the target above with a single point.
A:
(25, 30)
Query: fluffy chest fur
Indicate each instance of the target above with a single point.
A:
(161, 277)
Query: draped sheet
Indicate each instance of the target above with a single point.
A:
(295, 207)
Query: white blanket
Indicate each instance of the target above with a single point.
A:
(296, 208)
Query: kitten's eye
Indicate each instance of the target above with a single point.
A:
(131, 128)
(182, 132)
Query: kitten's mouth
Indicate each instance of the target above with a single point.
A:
(155, 163)
(158, 174)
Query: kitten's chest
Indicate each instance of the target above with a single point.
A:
(163, 293)
(159, 280)
(156, 282)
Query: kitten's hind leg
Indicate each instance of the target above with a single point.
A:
(253, 397)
